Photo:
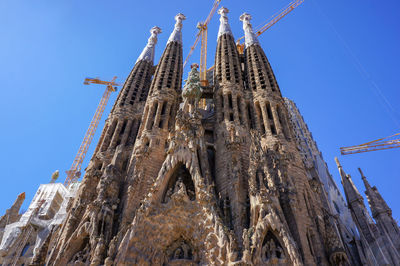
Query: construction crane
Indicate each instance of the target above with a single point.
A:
(203, 29)
(390, 142)
(261, 29)
(74, 173)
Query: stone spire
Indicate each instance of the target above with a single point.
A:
(375, 200)
(368, 230)
(176, 35)
(249, 35)
(224, 27)
(382, 213)
(148, 51)
(351, 191)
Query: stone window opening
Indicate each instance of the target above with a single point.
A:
(171, 122)
(231, 117)
(282, 121)
(180, 182)
(248, 211)
(164, 107)
(261, 119)
(306, 200)
(250, 116)
(211, 162)
(125, 164)
(221, 100)
(121, 132)
(271, 119)
(309, 241)
(25, 249)
(239, 107)
(230, 101)
(227, 211)
(162, 114)
(109, 135)
(152, 116)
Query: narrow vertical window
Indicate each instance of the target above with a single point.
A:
(271, 119)
(260, 118)
(239, 107)
(250, 116)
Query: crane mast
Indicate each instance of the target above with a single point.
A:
(203, 30)
(73, 174)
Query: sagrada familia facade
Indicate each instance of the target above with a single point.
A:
(236, 181)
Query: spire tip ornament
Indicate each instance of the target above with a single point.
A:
(176, 35)
(224, 25)
(148, 51)
(249, 35)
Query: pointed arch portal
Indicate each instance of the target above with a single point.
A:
(272, 248)
(180, 182)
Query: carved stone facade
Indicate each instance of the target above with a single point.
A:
(173, 183)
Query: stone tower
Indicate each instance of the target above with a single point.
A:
(91, 221)
(158, 121)
(231, 132)
(382, 214)
(379, 249)
(174, 183)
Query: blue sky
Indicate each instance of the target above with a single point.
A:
(326, 55)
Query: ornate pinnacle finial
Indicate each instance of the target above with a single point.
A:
(224, 25)
(176, 35)
(148, 51)
(250, 37)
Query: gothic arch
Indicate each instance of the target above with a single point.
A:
(178, 181)
(272, 250)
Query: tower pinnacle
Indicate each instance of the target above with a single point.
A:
(350, 189)
(176, 35)
(148, 51)
(249, 35)
(224, 25)
(364, 179)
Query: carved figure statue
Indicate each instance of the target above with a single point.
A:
(180, 186)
